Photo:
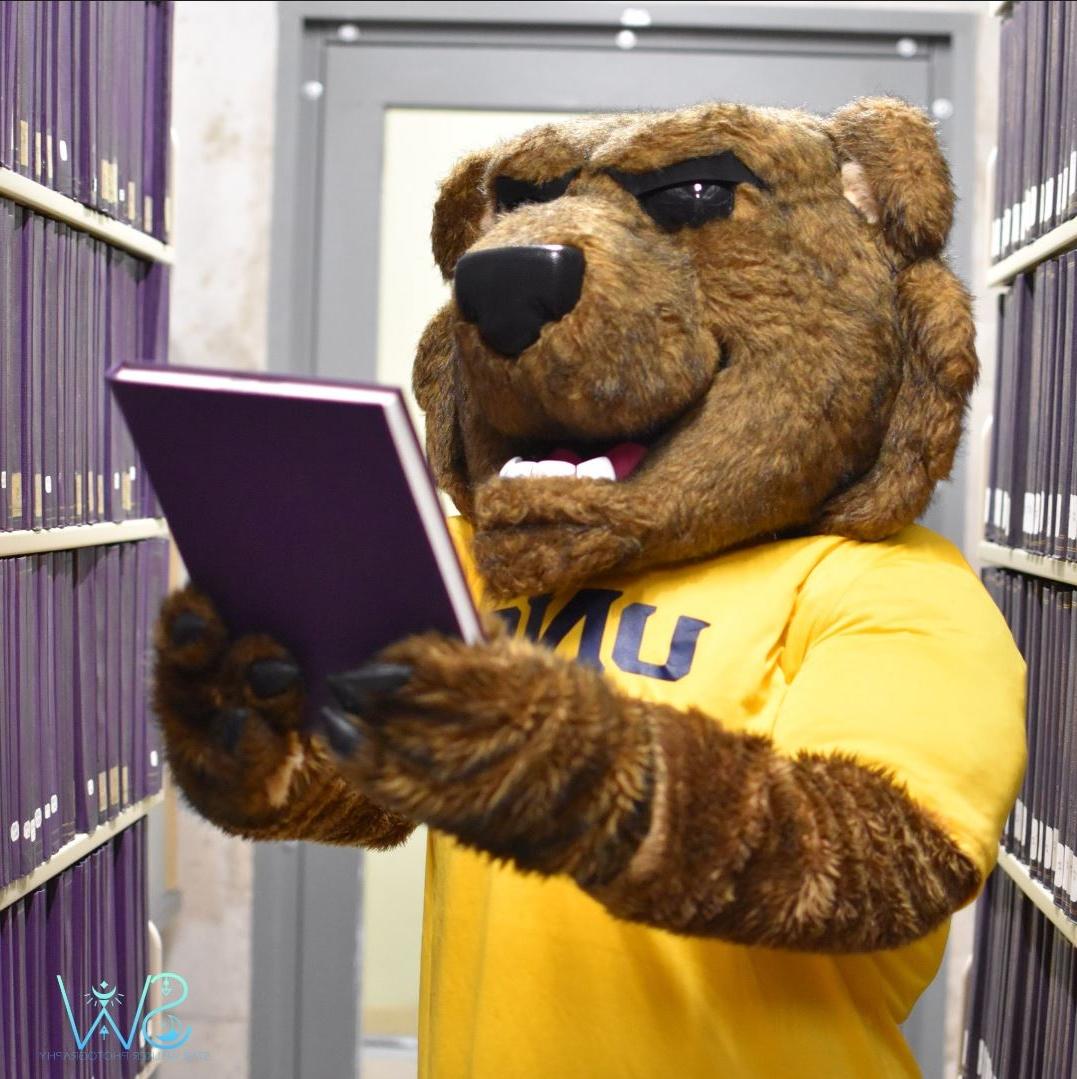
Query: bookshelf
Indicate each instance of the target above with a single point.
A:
(1059, 239)
(1023, 960)
(84, 281)
(26, 541)
(1019, 873)
(76, 850)
(51, 203)
(1036, 565)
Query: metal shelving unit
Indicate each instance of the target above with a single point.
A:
(1019, 873)
(46, 201)
(77, 849)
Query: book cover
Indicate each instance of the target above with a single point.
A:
(304, 509)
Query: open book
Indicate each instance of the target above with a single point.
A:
(304, 509)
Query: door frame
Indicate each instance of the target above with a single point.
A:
(307, 899)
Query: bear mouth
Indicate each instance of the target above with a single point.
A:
(610, 464)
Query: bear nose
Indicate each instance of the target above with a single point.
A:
(510, 293)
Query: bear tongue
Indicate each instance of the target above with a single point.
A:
(625, 458)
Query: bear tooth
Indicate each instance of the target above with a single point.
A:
(597, 468)
(553, 468)
(517, 468)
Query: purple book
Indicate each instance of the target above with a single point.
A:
(303, 508)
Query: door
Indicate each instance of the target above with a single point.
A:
(396, 106)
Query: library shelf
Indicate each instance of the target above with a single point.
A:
(46, 201)
(1055, 242)
(77, 848)
(1037, 565)
(1018, 872)
(96, 535)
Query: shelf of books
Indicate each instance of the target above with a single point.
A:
(84, 283)
(1023, 991)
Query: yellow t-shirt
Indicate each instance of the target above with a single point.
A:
(892, 652)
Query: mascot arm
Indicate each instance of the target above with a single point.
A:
(869, 816)
(229, 714)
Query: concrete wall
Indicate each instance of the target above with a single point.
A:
(223, 114)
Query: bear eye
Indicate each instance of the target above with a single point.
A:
(688, 205)
(509, 193)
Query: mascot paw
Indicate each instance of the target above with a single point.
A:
(229, 711)
(502, 744)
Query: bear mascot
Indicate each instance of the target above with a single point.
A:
(741, 736)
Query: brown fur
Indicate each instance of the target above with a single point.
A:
(794, 369)
(275, 783)
(801, 365)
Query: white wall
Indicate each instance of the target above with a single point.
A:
(222, 114)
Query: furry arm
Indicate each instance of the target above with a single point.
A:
(664, 816)
(229, 713)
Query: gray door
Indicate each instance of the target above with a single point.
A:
(363, 81)
(357, 69)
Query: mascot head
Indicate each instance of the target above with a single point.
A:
(674, 333)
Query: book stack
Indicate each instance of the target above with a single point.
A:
(69, 305)
(75, 647)
(1036, 176)
(1042, 830)
(76, 930)
(84, 103)
(1031, 500)
(84, 284)
(1019, 1015)
(1023, 991)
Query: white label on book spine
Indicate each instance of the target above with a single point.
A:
(3, 480)
(89, 787)
(26, 829)
(115, 481)
(1071, 530)
(132, 472)
(13, 831)
(1059, 863)
(48, 811)
(37, 817)
(1071, 886)
(55, 803)
(1048, 849)
(63, 149)
(153, 757)
(1072, 166)
(48, 485)
(1049, 199)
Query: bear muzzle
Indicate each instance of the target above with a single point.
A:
(511, 293)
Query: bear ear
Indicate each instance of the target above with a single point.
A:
(894, 172)
(934, 316)
(459, 211)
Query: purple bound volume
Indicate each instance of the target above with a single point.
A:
(303, 509)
